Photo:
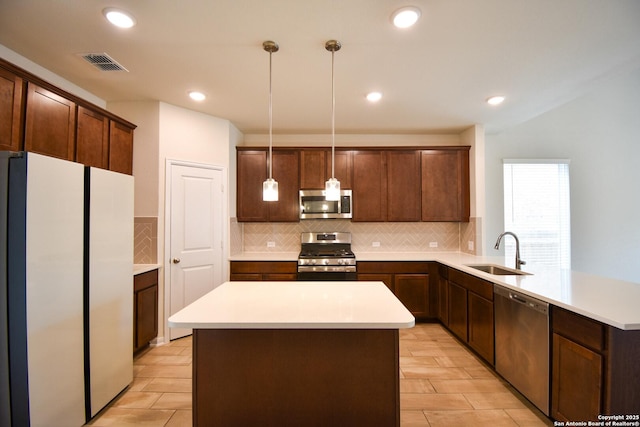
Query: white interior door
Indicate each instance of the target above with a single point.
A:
(196, 235)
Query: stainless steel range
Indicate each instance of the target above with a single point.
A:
(326, 256)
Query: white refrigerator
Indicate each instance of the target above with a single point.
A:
(66, 339)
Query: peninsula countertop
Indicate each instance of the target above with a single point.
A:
(607, 300)
(296, 305)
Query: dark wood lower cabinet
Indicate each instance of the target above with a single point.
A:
(595, 369)
(145, 308)
(387, 279)
(413, 291)
(594, 366)
(296, 377)
(470, 311)
(409, 281)
(481, 330)
(458, 310)
(256, 271)
(577, 381)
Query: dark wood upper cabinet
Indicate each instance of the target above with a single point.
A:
(369, 186)
(315, 168)
(39, 117)
(343, 168)
(403, 185)
(252, 170)
(391, 184)
(251, 173)
(120, 148)
(445, 184)
(50, 123)
(92, 144)
(286, 172)
(11, 110)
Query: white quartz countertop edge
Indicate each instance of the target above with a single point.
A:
(143, 268)
(610, 301)
(296, 305)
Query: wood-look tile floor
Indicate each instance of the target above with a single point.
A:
(441, 384)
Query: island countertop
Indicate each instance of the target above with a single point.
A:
(296, 305)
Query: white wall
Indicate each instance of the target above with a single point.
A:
(168, 132)
(146, 163)
(600, 133)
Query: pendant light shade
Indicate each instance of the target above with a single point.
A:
(270, 190)
(332, 186)
(270, 185)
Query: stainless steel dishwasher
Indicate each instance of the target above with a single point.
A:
(522, 344)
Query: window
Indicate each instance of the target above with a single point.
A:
(536, 208)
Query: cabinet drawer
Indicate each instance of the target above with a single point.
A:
(472, 283)
(393, 267)
(580, 329)
(263, 267)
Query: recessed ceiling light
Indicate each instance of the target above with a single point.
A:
(119, 17)
(405, 17)
(374, 96)
(495, 100)
(197, 96)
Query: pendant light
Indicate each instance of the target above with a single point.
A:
(270, 185)
(332, 186)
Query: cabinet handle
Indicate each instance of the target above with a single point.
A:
(176, 260)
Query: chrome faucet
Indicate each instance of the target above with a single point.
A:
(519, 262)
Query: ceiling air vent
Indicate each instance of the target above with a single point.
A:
(103, 62)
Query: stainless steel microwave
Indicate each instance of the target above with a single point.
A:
(314, 204)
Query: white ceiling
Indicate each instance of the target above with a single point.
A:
(435, 77)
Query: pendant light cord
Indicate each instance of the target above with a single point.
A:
(333, 116)
(270, 121)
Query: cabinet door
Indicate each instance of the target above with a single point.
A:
(280, 277)
(313, 167)
(251, 173)
(11, 110)
(343, 168)
(92, 145)
(369, 186)
(245, 277)
(458, 310)
(286, 172)
(120, 148)
(378, 277)
(50, 127)
(413, 291)
(576, 383)
(403, 185)
(481, 331)
(145, 308)
(443, 300)
(445, 185)
(147, 315)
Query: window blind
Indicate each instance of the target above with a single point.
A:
(537, 209)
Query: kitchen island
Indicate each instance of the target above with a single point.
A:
(296, 353)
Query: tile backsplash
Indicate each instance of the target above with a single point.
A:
(366, 236)
(145, 240)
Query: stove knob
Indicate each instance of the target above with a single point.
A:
(325, 262)
(340, 262)
(313, 261)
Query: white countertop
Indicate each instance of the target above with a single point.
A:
(296, 305)
(610, 301)
(143, 268)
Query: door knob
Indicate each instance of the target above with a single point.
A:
(176, 260)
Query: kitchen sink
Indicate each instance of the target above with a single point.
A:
(498, 270)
